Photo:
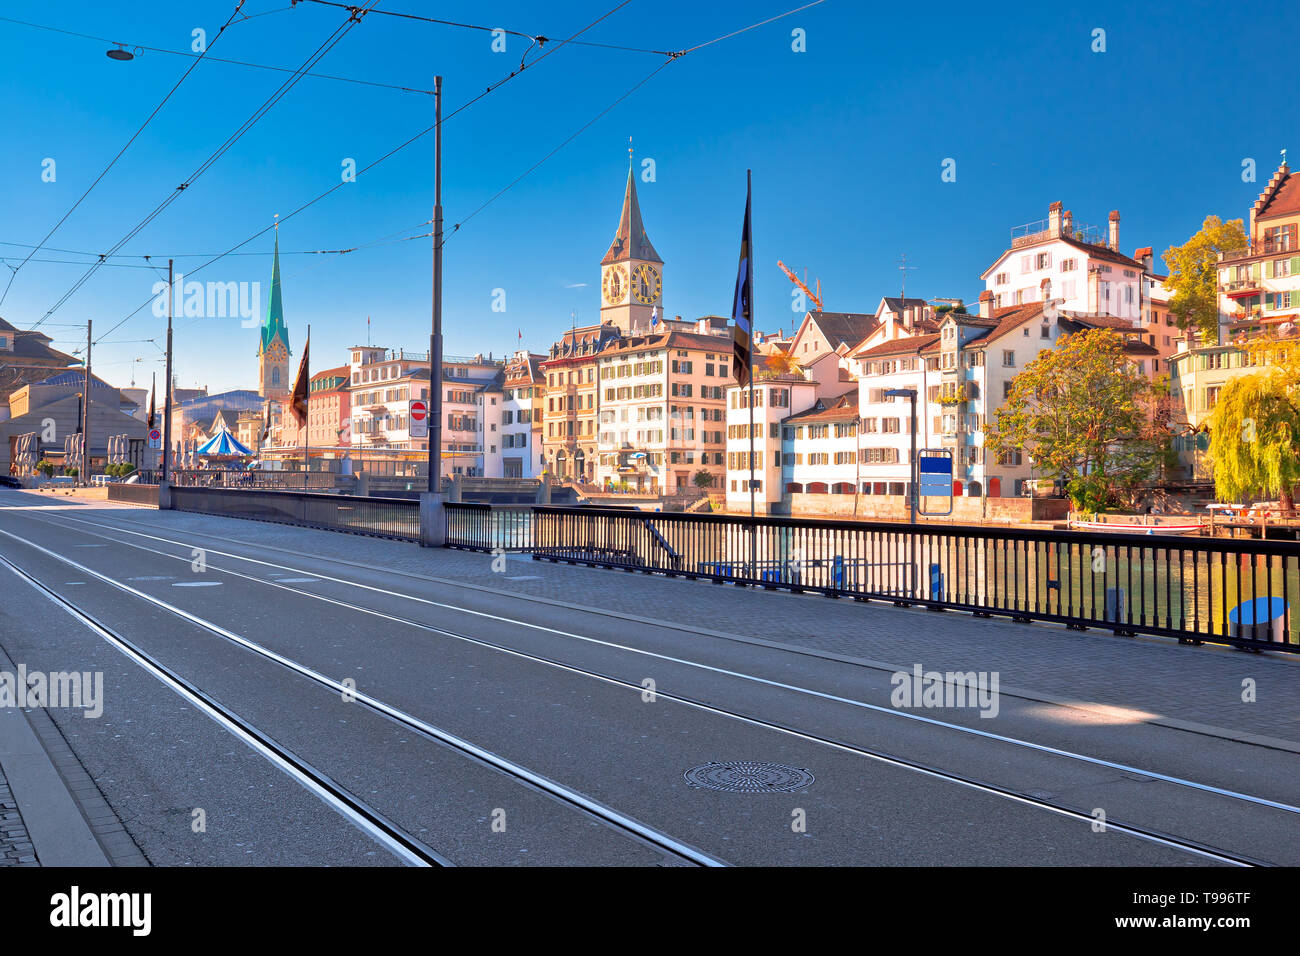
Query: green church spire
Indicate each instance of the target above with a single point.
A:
(273, 328)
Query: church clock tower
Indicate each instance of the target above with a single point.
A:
(273, 351)
(631, 274)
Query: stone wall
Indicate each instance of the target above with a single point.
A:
(894, 507)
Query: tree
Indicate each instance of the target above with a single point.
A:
(1084, 412)
(1255, 438)
(1194, 274)
(703, 479)
(778, 363)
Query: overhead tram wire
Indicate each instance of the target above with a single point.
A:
(14, 274)
(217, 59)
(672, 57)
(538, 39)
(339, 33)
(428, 129)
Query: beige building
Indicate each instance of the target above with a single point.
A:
(662, 415)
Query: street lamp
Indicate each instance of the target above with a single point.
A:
(912, 500)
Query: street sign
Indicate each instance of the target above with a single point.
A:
(934, 478)
(155, 438)
(418, 413)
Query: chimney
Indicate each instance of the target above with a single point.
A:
(1114, 231)
(1146, 256)
(1054, 220)
(1067, 224)
(986, 304)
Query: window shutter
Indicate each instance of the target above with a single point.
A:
(1295, 265)
(1254, 271)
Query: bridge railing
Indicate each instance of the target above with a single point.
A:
(381, 517)
(1241, 592)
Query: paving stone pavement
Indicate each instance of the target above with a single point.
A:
(15, 843)
(1202, 685)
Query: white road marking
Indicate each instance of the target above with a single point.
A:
(297, 580)
(575, 797)
(890, 711)
(197, 584)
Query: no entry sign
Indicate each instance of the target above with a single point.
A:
(419, 418)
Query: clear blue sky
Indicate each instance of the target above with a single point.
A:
(846, 141)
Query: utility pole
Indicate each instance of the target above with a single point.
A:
(85, 412)
(167, 385)
(435, 339)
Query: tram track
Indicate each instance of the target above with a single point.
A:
(366, 818)
(1152, 835)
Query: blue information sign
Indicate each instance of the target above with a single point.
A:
(934, 477)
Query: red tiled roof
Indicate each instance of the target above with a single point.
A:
(1284, 199)
(913, 343)
(841, 408)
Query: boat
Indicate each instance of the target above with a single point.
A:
(1192, 526)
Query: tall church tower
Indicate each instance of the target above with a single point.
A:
(273, 351)
(631, 274)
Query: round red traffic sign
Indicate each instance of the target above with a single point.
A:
(154, 434)
(419, 410)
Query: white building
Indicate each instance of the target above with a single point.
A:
(819, 448)
(521, 417)
(775, 399)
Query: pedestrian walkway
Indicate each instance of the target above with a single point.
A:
(15, 842)
(1208, 689)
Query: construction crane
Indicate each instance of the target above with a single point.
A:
(816, 297)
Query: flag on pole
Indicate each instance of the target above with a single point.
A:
(654, 317)
(742, 310)
(153, 391)
(266, 425)
(298, 401)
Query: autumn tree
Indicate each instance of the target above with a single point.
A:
(778, 363)
(1255, 437)
(702, 479)
(1194, 274)
(1083, 411)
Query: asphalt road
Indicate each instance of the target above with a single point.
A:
(564, 695)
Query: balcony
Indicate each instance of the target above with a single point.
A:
(1241, 287)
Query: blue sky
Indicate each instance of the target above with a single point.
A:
(846, 141)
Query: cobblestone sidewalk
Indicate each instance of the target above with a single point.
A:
(15, 845)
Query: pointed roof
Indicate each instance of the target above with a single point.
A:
(273, 328)
(631, 241)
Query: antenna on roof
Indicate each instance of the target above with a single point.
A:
(904, 268)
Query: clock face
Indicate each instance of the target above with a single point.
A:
(615, 284)
(646, 284)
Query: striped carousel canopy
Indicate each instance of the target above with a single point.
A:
(223, 443)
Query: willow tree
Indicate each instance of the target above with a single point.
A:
(1194, 274)
(1255, 438)
(1083, 411)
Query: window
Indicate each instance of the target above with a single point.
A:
(1008, 358)
(1069, 265)
(1010, 457)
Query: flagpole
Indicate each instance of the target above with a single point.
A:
(749, 281)
(306, 404)
(167, 385)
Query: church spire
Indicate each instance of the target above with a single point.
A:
(631, 241)
(273, 328)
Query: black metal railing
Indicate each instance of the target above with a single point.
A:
(270, 480)
(1223, 590)
(382, 517)
(480, 527)
(135, 494)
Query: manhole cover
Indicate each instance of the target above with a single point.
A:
(747, 776)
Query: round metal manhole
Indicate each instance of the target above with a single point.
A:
(748, 776)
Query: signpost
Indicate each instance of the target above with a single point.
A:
(418, 416)
(934, 467)
(155, 438)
